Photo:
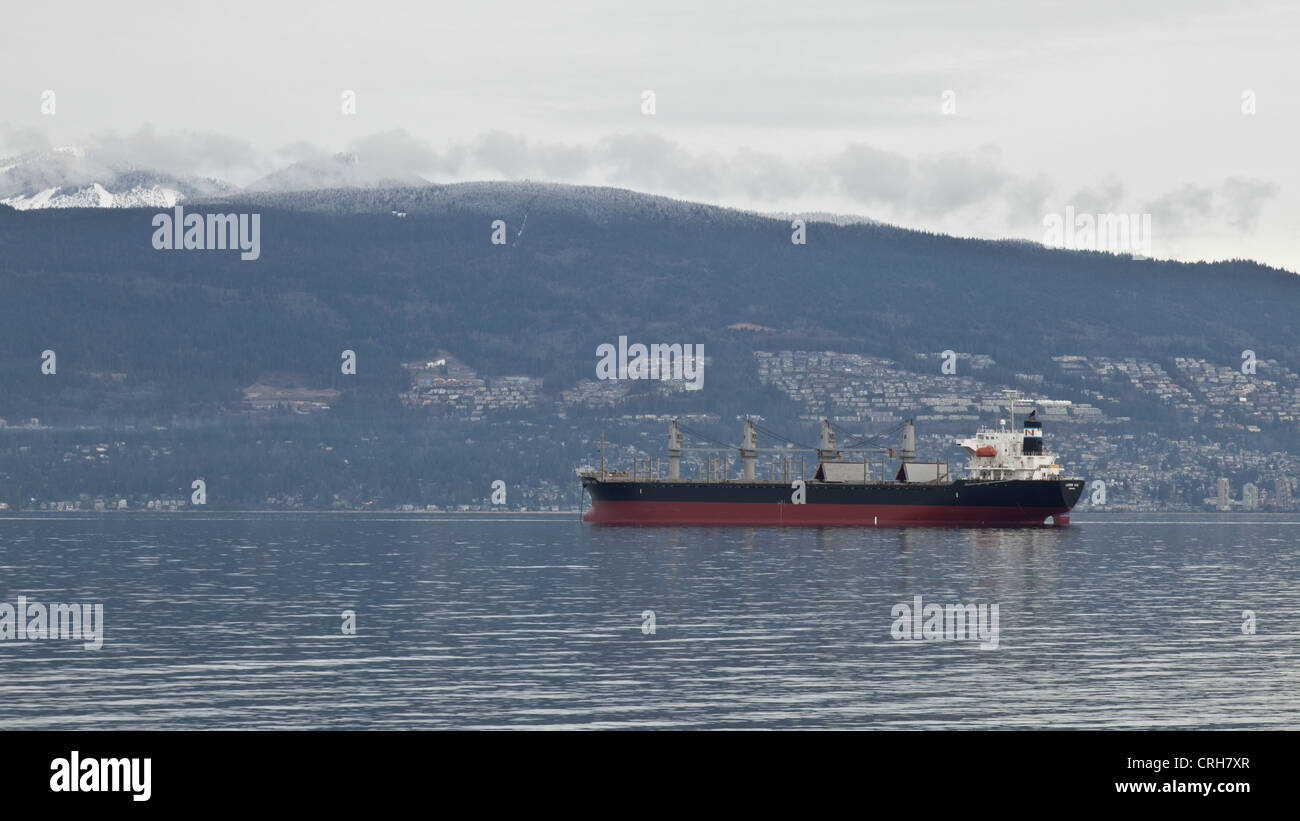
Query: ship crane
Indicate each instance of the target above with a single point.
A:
(827, 451)
(748, 449)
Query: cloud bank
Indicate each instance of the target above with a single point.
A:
(936, 190)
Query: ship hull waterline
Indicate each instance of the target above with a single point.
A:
(1023, 503)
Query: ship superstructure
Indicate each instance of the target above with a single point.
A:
(1011, 454)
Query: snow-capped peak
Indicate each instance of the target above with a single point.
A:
(97, 196)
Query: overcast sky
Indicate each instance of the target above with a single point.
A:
(1108, 107)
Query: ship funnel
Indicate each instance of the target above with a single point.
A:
(1032, 444)
(907, 446)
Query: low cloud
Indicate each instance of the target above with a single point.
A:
(1237, 204)
(1105, 198)
(14, 141)
(182, 154)
(1244, 199)
(394, 154)
(931, 186)
(968, 189)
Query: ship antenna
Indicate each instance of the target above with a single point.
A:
(602, 453)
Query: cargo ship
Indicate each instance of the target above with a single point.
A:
(1011, 479)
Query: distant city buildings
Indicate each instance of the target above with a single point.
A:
(264, 397)
(853, 387)
(445, 384)
(1249, 497)
(1190, 464)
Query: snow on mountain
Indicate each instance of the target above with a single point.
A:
(72, 177)
(97, 196)
(823, 216)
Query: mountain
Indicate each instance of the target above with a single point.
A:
(71, 177)
(75, 177)
(173, 350)
(583, 266)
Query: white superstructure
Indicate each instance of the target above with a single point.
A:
(1010, 452)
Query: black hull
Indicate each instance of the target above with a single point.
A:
(963, 502)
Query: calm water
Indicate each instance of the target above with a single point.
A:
(233, 621)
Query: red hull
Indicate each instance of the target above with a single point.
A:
(746, 513)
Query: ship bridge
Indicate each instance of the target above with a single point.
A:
(1010, 453)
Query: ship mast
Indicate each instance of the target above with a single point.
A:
(1012, 397)
(907, 443)
(827, 452)
(749, 450)
(674, 451)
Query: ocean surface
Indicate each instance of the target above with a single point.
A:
(218, 620)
